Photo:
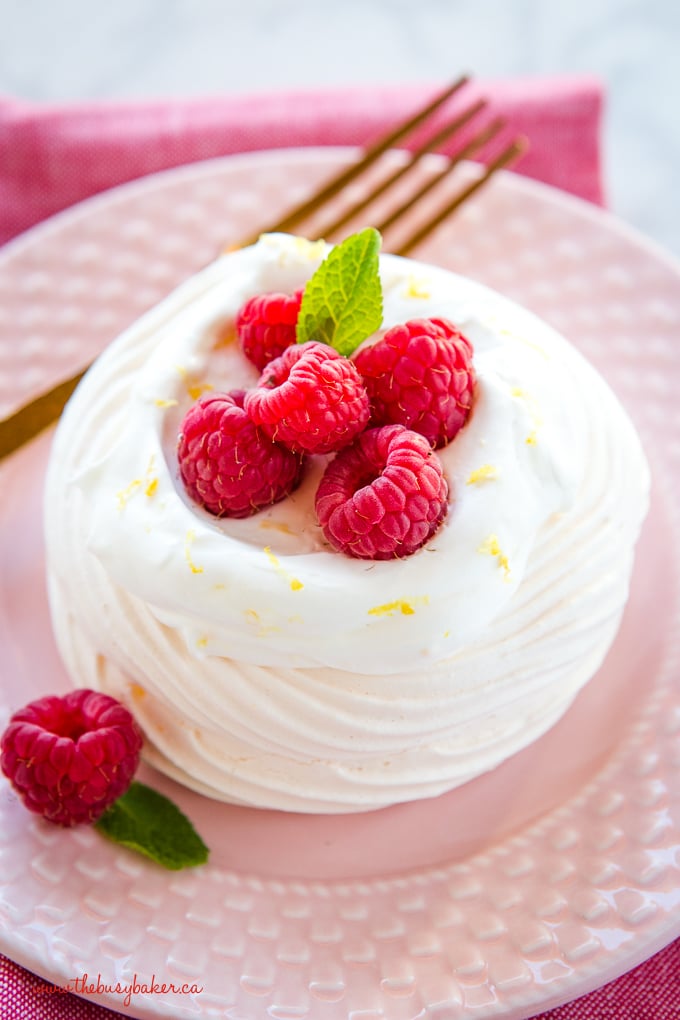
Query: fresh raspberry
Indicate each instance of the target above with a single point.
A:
(383, 496)
(228, 465)
(266, 326)
(70, 757)
(420, 375)
(311, 399)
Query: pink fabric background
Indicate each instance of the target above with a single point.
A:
(53, 156)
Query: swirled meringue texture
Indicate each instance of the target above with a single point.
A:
(266, 669)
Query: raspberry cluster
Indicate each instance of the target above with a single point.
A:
(379, 415)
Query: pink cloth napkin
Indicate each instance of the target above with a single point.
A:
(53, 156)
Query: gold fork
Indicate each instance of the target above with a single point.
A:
(31, 419)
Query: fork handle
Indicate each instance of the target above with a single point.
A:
(36, 416)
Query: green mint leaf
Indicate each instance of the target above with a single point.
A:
(342, 302)
(146, 821)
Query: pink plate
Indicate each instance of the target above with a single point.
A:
(520, 891)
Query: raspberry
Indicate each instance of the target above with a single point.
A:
(266, 326)
(228, 465)
(311, 399)
(383, 496)
(420, 375)
(70, 757)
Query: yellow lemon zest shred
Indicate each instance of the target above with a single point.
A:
(310, 249)
(294, 583)
(416, 289)
(253, 618)
(188, 542)
(281, 526)
(485, 473)
(150, 484)
(533, 409)
(491, 547)
(151, 478)
(124, 495)
(197, 389)
(403, 606)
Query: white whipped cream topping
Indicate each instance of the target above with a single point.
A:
(268, 669)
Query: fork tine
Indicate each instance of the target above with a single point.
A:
(429, 145)
(473, 146)
(507, 156)
(346, 176)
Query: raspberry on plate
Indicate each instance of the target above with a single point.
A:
(420, 374)
(311, 399)
(70, 757)
(228, 465)
(266, 325)
(384, 496)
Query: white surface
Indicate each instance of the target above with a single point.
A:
(460, 906)
(138, 48)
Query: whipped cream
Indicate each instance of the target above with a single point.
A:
(266, 668)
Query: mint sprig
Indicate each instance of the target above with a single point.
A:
(342, 302)
(144, 820)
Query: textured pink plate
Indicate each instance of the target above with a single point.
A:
(522, 890)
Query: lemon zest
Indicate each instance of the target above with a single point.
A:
(150, 483)
(281, 526)
(253, 618)
(188, 542)
(416, 289)
(403, 606)
(533, 409)
(491, 547)
(310, 249)
(124, 494)
(294, 583)
(197, 389)
(485, 473)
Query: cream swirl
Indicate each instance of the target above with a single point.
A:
(277, 672)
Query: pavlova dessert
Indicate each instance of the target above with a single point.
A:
(340, 529)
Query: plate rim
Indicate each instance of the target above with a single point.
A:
(331, 154)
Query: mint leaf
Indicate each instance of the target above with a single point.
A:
(146, 821)
(342, 302)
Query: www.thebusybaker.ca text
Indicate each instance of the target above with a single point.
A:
(86, 985)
